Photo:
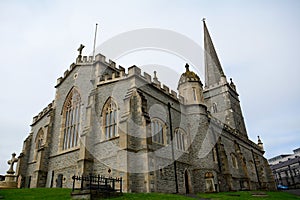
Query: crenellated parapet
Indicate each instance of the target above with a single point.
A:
(66, 73)
(118, 73)
(99, 58)
(80, 61)
(44, 112)
(134, 71)
(84, 60)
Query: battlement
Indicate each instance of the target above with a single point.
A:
(118, 74)
(66, 73)
(136, 71)
(84, 59)
(45, 111)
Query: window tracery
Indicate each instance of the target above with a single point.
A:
(158, 131)
(38, 142)
(110, 119)
(71, 120)
(181, 140)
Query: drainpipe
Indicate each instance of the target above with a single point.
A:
(172, 146)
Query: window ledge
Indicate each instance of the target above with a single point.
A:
(32, 162)
(157, 143)
(106, 140)
(65, 151)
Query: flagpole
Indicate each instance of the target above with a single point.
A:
(95, 42)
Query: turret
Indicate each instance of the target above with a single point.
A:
(190, 87)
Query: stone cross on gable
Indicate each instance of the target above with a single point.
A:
(11, 162)
(80, 49)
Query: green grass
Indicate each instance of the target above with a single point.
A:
(152, 196)
(249, 195)
(64, 194)
(36, 194)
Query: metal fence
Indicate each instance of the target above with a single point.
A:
(98, 183)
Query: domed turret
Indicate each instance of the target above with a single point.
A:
(190, 87)
(188, 76)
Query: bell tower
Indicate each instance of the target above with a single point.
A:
(220, 96)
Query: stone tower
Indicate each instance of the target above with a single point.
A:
(220, 96)
(190, 87)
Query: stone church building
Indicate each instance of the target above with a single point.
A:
(109, 122)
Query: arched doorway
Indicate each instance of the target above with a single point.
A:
(186, 181)
(59, 181)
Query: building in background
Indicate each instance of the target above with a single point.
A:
(105, 121)
(286, 169)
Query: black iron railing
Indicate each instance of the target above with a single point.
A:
(98, 183)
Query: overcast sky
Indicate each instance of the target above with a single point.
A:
(257, 43)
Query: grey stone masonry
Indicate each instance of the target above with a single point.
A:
(130, 125)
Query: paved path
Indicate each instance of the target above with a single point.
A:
(293, 191)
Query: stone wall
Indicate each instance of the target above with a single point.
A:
(145, 165)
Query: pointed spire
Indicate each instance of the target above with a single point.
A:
(213, 68)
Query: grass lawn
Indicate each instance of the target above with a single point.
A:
(36, 194)
(250, 195)
(62, 194)
(58, 193)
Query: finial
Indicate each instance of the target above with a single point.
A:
(187, 67)
(258, 138)
(260, 144)
(155, 79)
(232, 84)
(80, 49)
(203, 19)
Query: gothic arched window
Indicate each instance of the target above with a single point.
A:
(71, 120)
(181, 140)
(214, 108)
(39, 139)
(214, 153)
(234, 161)
(110, 119)
(194, 94)
(251, 167)
(38, 142)
(158, 131)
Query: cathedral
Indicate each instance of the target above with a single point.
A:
(104, 120)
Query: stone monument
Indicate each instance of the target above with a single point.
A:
(10, 178)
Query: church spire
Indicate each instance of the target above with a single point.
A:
(213, 68)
